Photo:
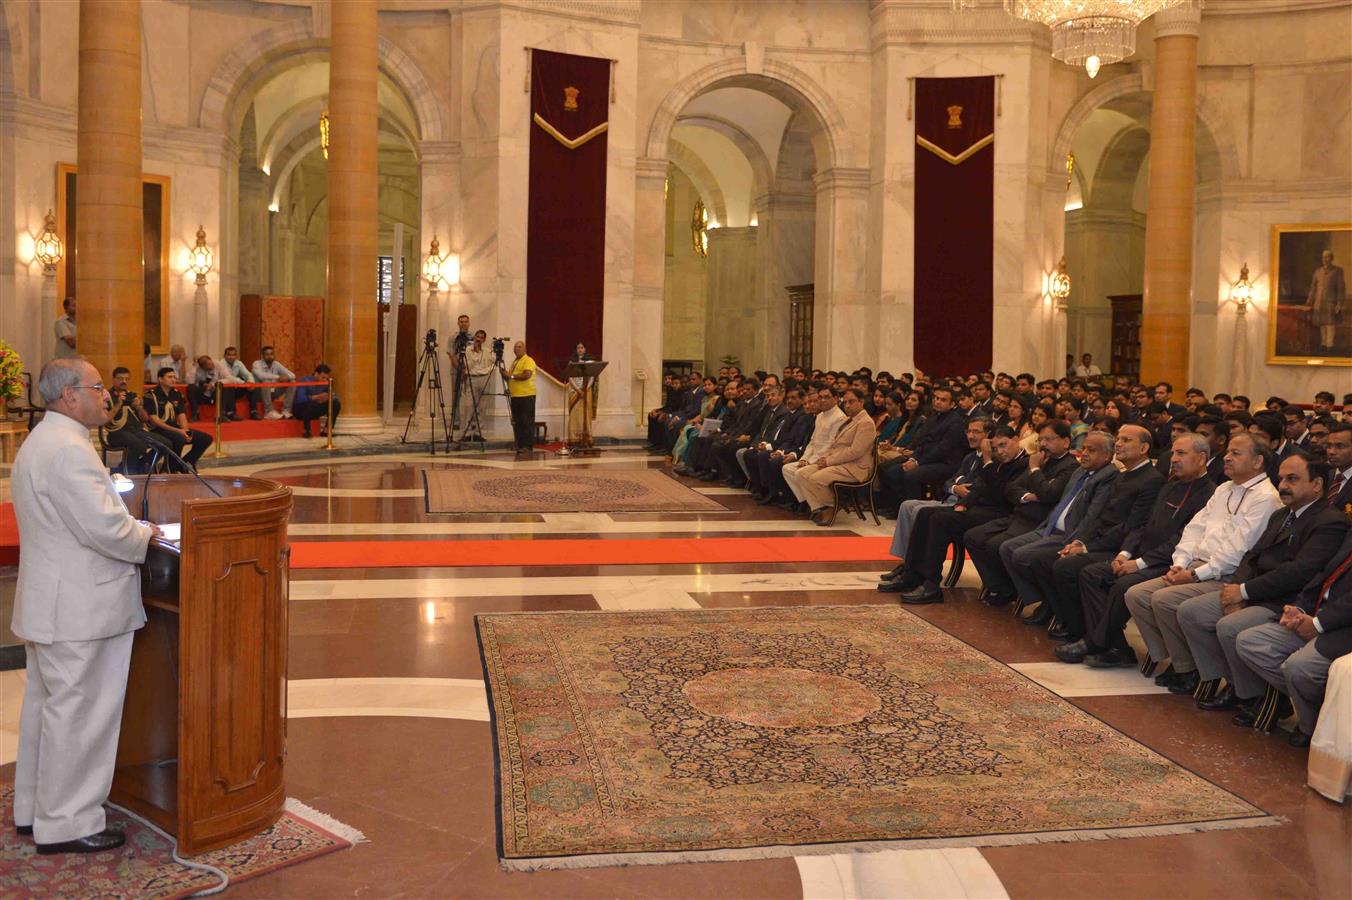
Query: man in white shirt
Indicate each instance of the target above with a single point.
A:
(1211, 547)
(77, 606)
(266, 370)
(829, 422)
(479, 364)
(65, 331)
(1086, 368)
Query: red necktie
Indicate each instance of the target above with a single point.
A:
(1328, 584)
(1336, 487)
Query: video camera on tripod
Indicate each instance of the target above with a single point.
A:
(499, 344)
(430, 340)
(462, 339)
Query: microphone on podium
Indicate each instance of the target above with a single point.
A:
(187, 467)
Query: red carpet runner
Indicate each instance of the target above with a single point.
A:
(571, 552)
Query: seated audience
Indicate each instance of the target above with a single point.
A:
(312, 402)
(848, 458)
(126, 428)
(266, 370)
(932, 458)
(166, 416)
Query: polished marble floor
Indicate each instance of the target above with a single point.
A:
(388, 715)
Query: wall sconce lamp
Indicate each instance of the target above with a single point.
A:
(432, 266)
(324, 133)
(1241, 292)
(199, 258)
(48, 250)
(1059, 285)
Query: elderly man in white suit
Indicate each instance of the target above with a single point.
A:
(78, 603)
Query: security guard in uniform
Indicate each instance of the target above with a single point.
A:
(163, 407)
(126, 429)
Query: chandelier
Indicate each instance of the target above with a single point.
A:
(1089, 33)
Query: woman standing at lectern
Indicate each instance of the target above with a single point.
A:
(576, 426)
(77, 606)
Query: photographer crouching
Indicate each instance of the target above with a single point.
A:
(520, 378)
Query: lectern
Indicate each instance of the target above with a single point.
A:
(204, 725)
(587, 370)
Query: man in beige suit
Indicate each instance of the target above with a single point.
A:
(848, 458)
(78, 603)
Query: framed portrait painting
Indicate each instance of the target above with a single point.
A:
(1310, 312)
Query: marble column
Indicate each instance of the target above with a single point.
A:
(110, 286)
(1165, 330)
(353, 227)
(845, 316)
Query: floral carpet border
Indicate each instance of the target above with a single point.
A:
(578, 752)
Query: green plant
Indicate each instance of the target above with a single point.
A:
(11, 373)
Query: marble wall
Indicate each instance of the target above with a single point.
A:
(1275, 93)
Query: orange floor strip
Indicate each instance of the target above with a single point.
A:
(656, 551)
(9, 536)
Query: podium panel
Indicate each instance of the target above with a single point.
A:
(203, 738)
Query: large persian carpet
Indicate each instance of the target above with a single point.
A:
(635, 737)
(556, 490)
(144, 867)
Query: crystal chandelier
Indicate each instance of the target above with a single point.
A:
(1089, 33)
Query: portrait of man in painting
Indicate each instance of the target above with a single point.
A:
(1311, 314)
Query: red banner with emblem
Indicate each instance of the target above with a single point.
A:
(566, 232)
(954, 223)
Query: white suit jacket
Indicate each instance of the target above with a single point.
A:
(78, 546)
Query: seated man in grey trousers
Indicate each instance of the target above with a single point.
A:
(1301, 536)
(1212, 545)
(1294, 654)
(952, 492)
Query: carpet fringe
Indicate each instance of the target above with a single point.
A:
(778, 851)
(325, 821)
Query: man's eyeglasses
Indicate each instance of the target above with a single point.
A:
(88, 387)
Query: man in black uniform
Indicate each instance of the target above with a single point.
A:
(126, 429)
(165, 410)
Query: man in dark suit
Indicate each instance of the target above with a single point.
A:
(1083, 501)
(1031, 496)
(1130, 499)
(1146, 553)
(778, 420)
(767, 467)
(1294, 653)
(1297, 427)
(1164, 393)
(1338, 453)
(985, 403)
(725, 454)
(1299, 539)
(1003, 461)
(934, 455)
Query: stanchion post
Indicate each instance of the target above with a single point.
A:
(220, 450)
(328, 427)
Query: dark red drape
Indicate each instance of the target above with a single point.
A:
(954, 224)
(566, 234)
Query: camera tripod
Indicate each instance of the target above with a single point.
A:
(473, 433)
(429, 373)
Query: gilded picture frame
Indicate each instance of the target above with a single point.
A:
(1301, 317)
(154, 250)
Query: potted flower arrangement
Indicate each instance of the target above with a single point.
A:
(11, 376)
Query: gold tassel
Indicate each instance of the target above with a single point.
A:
(526, 87)
(613, 63)
(910, 100)
(999, 94)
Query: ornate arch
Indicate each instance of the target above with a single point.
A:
(779, 79)
(295, 43)
(1123, 88)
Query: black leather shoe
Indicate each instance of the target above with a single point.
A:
(1185, 683)
(894, 574)
(1060, 633)
(1041, 617)
(1225, 700)
(1166, 678)
(892, 587)
(1248, 712)
(1073, 652)
(996, 600)
(24, 830)
(107, 839)
(1111, 658)
(1298, 738)
(919, 597)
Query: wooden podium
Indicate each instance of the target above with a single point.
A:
(587, 370)
(204, 725)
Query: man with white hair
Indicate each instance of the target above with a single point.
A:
(77, 605)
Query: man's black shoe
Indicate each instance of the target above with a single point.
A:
(888, 512)
(922, 597)
(997, 600)
(1060, 633)
(24, 830)
(1225, 700)
(1111, 658)
(1248, 712)
(894, 573)
(1041, 617)
(1073, 652)
(708, 476)
(107, 839)
(894, 586)
(1298, 738)
(1166, 678)
(1184, 683)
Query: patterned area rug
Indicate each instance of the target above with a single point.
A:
(733, 734)
(144, 867)
(555, 490)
